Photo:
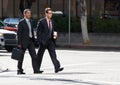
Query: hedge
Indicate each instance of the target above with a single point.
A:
(95, 25)
(106, 25)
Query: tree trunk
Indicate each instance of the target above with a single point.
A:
(21, 6)
(25, 4)
(84, 22)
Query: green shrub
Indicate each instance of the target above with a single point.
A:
(106, 25)
(61, 23)
(95, 25)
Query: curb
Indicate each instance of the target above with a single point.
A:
(90, 47)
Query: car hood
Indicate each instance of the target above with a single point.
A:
(6, 31)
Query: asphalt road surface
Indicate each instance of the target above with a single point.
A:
(80, 68)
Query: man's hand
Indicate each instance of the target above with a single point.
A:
(55, 35)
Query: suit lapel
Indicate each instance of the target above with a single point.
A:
(46, 24)
(31, 24)
(26, 23)
(28, 26)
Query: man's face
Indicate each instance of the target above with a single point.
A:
(49, 14)
(28, 14)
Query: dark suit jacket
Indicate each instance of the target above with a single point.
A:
(43, 32)
(23, 33)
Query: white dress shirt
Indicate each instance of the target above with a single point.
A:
(29, 26)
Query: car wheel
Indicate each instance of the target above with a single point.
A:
(9, 48)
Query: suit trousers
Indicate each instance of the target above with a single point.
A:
(32, 52)
(50, 46)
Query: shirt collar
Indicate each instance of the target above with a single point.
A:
(27, 19)
(48, 19)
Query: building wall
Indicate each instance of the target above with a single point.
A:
(97, 7)
(0, 8)
(11, 7)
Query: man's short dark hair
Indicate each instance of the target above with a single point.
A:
(26, 10)
(47, 10)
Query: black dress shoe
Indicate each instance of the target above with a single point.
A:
(37, 72)
(59, 69)
(20, 73)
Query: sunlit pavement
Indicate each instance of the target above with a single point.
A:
(80, 68)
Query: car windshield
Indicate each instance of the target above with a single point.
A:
(12, 20)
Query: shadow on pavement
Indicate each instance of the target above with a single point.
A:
(68, 73)
(61, 80)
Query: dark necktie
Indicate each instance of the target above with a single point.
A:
(50, 25)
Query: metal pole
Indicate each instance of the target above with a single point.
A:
(69, 41)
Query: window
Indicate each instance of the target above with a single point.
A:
(111, 5)
(112, 8)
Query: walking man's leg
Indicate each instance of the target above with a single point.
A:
(20, 64)
(40, 55)
(51, 50)
(32, 52)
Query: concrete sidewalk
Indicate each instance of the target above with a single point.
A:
(108, 41)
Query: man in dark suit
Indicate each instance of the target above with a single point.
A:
(46, 39)
(26, 41)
